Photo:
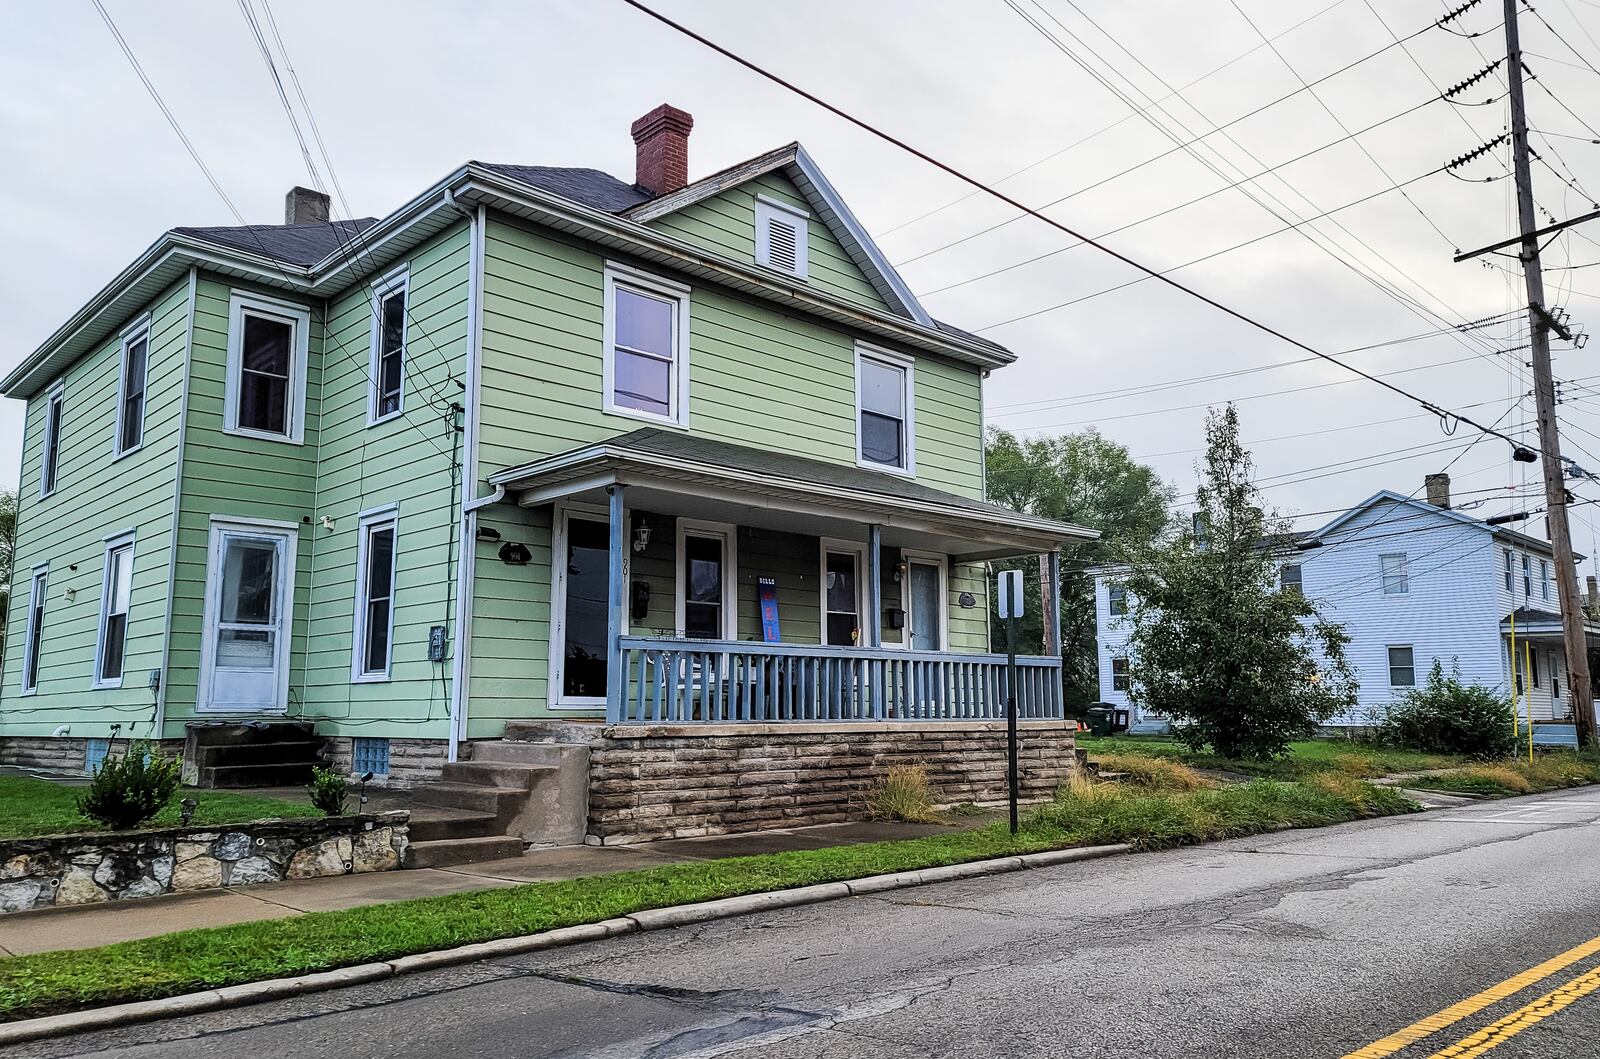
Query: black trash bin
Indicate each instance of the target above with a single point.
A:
(1100, 719)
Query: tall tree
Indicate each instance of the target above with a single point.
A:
(1092, 481)
(1237, 664)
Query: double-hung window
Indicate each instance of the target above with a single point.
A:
(646, 334)
(1402, 668)
(130, 390)
(115, 594)
(38, 590)
(1119, 674)
(1290, 578)
(1510, 583)
(1527, 577)
(1396, 574)
(50, 458)
(1117, 600)
(1544, 580)
(885, 414)
(387, 370)
(268, 343)
(373, 649)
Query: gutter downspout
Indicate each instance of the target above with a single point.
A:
(466, 560)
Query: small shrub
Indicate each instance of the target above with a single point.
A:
(329, 791)
(1448, 716)
(1154, 773)
(127, 791)
(903, 794)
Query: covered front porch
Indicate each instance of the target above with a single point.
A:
(696, 582)
(1534, 664)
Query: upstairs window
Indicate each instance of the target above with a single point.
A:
(115, 594)
(37, 591)
(388, 347)
(1289, 578)
(782, 233)
(375, 568)
(646, 348)
(1402, 668)
(1396, 574)
(1527, 576)
(130, 391)
(1544, 580)
(50, 459)
(1117, 600)
(1510, 583)
(268, 341)
(884, 411)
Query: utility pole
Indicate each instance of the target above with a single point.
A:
(1539, 323)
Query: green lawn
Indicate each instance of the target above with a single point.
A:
(1084, 814)
(1305, 758)
(31, 807)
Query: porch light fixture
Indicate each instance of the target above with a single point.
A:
(488, 535)
(186, 810)
(641, 536)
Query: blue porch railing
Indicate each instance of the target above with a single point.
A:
(673, 681)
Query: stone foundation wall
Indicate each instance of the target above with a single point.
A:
(64, 754)
(411, 761)
(125, 865)
(650, 783)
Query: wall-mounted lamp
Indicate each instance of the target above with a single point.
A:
(488, 535)
(641, 535)
(69, 593)
(327, 522)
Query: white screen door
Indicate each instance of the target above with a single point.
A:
(245, 668)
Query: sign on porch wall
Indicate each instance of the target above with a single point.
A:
(767, 589)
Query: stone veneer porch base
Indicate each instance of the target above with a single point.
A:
(684, 781)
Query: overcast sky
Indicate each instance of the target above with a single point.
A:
(403, 92)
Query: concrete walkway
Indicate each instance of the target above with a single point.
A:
(83, 926)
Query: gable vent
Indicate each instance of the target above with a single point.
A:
(781, 237)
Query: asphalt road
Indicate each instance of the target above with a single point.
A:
(1295, 945)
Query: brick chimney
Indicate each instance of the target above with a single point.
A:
(1438, 487)
(304, 206)
(661, 138)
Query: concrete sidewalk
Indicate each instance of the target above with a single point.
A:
(84, 926)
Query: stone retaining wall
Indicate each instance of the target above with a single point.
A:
(685, 781)
(65, 754)
(124, 865)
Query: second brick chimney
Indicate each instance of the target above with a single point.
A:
(661, 138)
(304, 206)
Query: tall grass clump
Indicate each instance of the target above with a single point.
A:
(903, 793)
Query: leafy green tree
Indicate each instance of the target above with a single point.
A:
(8, 548)
(1238, 665)
(1092, 481)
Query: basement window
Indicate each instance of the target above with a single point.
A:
(369, 755)
(95, 752)
(782, 233)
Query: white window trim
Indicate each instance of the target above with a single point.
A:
(113, 544)
(727, 533)
(1527, 577)
(907, 557)
(909, 364)
(38, 586)
(137, 330)
(1405, 576)
(1388, 660)
(766, 209)
(385, 517)
(220, 524)
(1510, 580)
(397, 280)
(859, 550)
(679, 389)
(54, 406)
(1127, 674)
(564, 511)
(299, 316)
(1111, 606)
(1544, 580)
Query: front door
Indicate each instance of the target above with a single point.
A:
(582, 588)
(245, 668)
(925, 604)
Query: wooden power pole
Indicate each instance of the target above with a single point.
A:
(1539, 324)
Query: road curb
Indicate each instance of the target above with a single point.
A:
(648, 919)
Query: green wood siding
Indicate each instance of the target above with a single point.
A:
(96, 497)
(726, 223)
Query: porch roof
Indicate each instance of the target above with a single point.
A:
(1533, 622)
(660, 465)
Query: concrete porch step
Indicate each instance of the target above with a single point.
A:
(517, 753)
(519, 775)
(439, 853)
(255, 734)
(278, 774)
(429, 823)
(284, 752)
(582, 732)
(492, 800)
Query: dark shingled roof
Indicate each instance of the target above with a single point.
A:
(678, 446)
(602, 191)
(294, 244)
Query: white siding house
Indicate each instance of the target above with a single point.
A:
(1412, 582)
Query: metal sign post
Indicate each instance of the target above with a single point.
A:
(1009, 598)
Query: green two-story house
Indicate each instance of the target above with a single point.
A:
(684, 460)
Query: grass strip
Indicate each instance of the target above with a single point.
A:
(1083, 814)
(30, 807)
(1504, 779)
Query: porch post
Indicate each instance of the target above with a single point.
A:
(616, 678)
(874, 623)
(1052, 619)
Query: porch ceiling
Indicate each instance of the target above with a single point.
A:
(681, 475)
(1540, 625)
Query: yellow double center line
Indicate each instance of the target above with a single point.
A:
(1514, 1023)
